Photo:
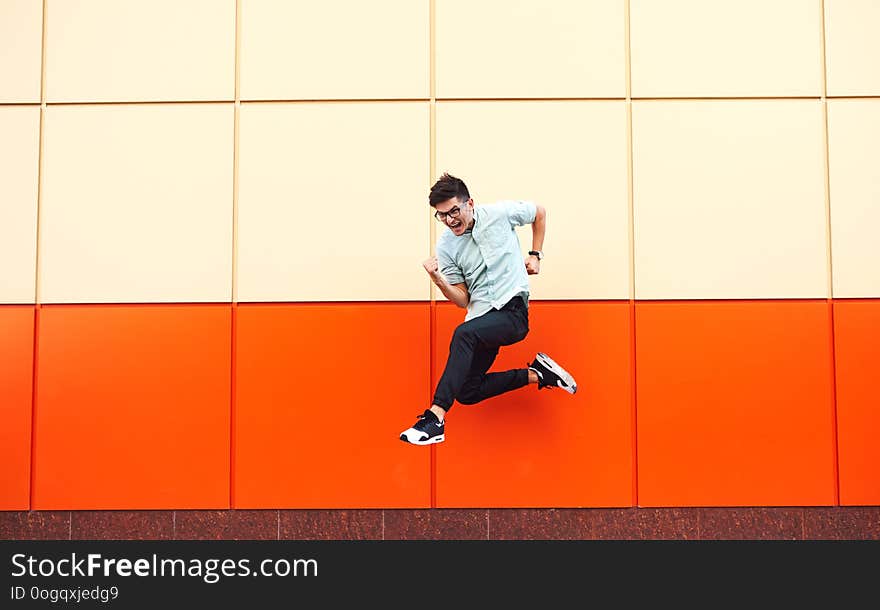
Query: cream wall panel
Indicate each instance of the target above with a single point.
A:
(133, 50)
(729, 199)
(569, 157)
(852, 47)
(19, 166)
(21, 48)
(333, 201)
(137, 203)
(335, 49)
(854, 163)
(530, 48)
(726, 48)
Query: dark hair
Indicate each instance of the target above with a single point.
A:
(447, 187)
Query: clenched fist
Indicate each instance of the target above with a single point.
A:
(533, 265)
(433, 268)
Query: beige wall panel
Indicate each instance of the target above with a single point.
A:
(569, 157)
(854, 163)
(852, 47)
(21, 48)
(333, 202)
(530, 48)
(335, 49)
(19, 165)
(726, 48)
(133, 50)
(729, 199)
(137, 204)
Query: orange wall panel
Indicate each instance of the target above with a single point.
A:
(857, 356)
(322, 392)
(734, 404)
(16, 386)
(531, 448)
(132, 407)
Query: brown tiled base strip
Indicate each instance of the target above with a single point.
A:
(692, 523)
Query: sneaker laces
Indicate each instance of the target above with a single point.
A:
(424, 419)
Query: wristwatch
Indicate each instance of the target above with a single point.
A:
(537, 253)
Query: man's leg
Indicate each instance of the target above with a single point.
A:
(472, 350)
(481, 385)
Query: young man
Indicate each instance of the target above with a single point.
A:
(479, 267)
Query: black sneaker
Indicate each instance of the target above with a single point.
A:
(429, 429)
(551, 375)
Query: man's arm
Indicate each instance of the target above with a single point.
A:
(457, 293)
(539, 225)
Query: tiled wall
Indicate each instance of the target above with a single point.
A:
(754, 523)
(211, 294)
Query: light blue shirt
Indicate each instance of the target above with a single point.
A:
(488, 259)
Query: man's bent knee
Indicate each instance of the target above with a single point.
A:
(468, 399)
(469, 394)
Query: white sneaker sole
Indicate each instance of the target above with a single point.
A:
(415, 441)
(570, 384)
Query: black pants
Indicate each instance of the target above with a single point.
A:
(472, 351)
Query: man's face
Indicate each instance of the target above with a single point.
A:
(455, 214)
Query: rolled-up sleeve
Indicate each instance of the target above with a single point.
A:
(448, 268)
(520, 212)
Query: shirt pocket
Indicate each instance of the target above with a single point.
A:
(497, 241)
(498, 232)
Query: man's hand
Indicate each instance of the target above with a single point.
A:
(457, 293)
(433, 268)
(533, 265)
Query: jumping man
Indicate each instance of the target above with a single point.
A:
(479, 267)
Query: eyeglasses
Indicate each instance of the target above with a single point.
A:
(453, 212)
